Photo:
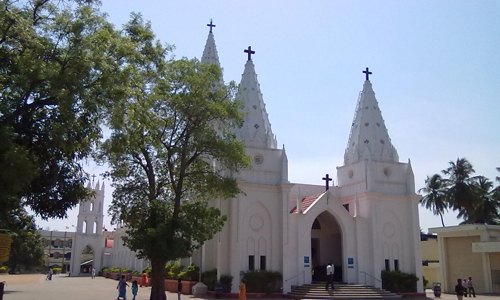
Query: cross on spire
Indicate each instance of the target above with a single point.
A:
(93, 177)
(250, 52)
(211, 25)
(327, 180)
(368, 73)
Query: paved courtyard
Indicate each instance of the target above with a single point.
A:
(35, 287)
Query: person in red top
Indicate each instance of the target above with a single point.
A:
(144, 279)
(470, 286)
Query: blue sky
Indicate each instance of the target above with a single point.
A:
(435, 64)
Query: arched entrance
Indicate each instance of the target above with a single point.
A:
(87, 260)
(326, 245)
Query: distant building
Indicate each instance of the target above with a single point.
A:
(430, 258)
(58, 248)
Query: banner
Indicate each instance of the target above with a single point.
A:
(5, 241)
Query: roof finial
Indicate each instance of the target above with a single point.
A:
(93, 177)
(250, 52)
(367, 72)
(211, 25)
(327, 179)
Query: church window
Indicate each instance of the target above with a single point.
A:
(263, 262)
(396, 265)
(366, 124)
(382, 141)
(255, 107)
(387, 172)
(84, 227)
(316, 224)
(256, 126)
(346, 206)
(91, 205)
(94, 230)
(251, 262)
(387, 265)
(367, 141)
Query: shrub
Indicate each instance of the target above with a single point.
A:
(168, 266)
(425, 281)
(4, 269)
(125, 270)
(105, 269)
(209, 278)
(399, 282)
(191, 273)
(114, 270)
(56, 270)
(175, 270)
(262, 281)
(136, 273)
(226, 281)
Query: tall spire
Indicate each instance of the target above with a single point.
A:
(369, 138)
(210, 55)
(256, 131)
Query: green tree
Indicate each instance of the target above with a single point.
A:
(434, 195)
(26, 248)
(170, 152)
(486, 207)
(60, 68)
(460, 192)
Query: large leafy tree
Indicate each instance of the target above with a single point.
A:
(26, 248)
(60, 67)
(434, 195)
(170, 147)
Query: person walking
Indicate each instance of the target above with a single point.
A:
(242, 295)
(93, 272)
(179, 288)
(470, 286)
(459, 289)
(464, 284)
(135, 288)
(144, 279)
(122, 288)
(330, 269)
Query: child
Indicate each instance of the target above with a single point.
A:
(242, 295)
(122, 288)
(135, 287)
(179, 289)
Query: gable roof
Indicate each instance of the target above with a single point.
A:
(306, 202)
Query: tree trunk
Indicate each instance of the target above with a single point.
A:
(158, 280)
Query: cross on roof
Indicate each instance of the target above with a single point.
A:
(93, 177)
(327, 179)
(367, 72)
(250, 52)
(211, 25)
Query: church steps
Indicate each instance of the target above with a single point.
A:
(342, 291)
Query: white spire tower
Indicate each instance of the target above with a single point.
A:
(369, 138)
(256, 131)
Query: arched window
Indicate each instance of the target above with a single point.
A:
(94, 230)
(91, 205)
(84, 227)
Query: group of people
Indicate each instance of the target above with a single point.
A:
(122, 286)
(464, 287)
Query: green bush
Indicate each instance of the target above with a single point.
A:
(4, 269)
(209, 278)
(125, 271)
(168, 266)
(399, 282)
(191, 273)
(174, 271)
(262, 281)
(56, 270)
(148, 271)
(425, 281)
(105, 269)
(114, 270)
(226, 281)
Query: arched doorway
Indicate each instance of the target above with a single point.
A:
(87, 260)
(326, 245)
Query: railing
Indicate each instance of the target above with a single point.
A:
(304, 277)
(370, 276)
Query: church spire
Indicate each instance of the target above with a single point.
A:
(369, 138)
(210, 55)
(256, 131)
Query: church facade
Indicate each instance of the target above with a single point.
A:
(366, 223)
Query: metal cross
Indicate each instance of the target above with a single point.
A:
(211, 25)
(250, 52)
(327, 180)
(368, 73)
(93, 177)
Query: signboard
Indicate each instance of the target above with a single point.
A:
(306, 261)
(350, 261)
(5, 241)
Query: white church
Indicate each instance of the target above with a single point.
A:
(365, 223)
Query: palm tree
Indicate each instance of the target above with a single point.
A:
(434, 198)
(487, 206)
(460, 195)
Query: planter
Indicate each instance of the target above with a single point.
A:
(136, 278)
(113, 275)
(106, 275)
(128, 277)
(172, 284)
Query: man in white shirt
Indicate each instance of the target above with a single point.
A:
(330, 269)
